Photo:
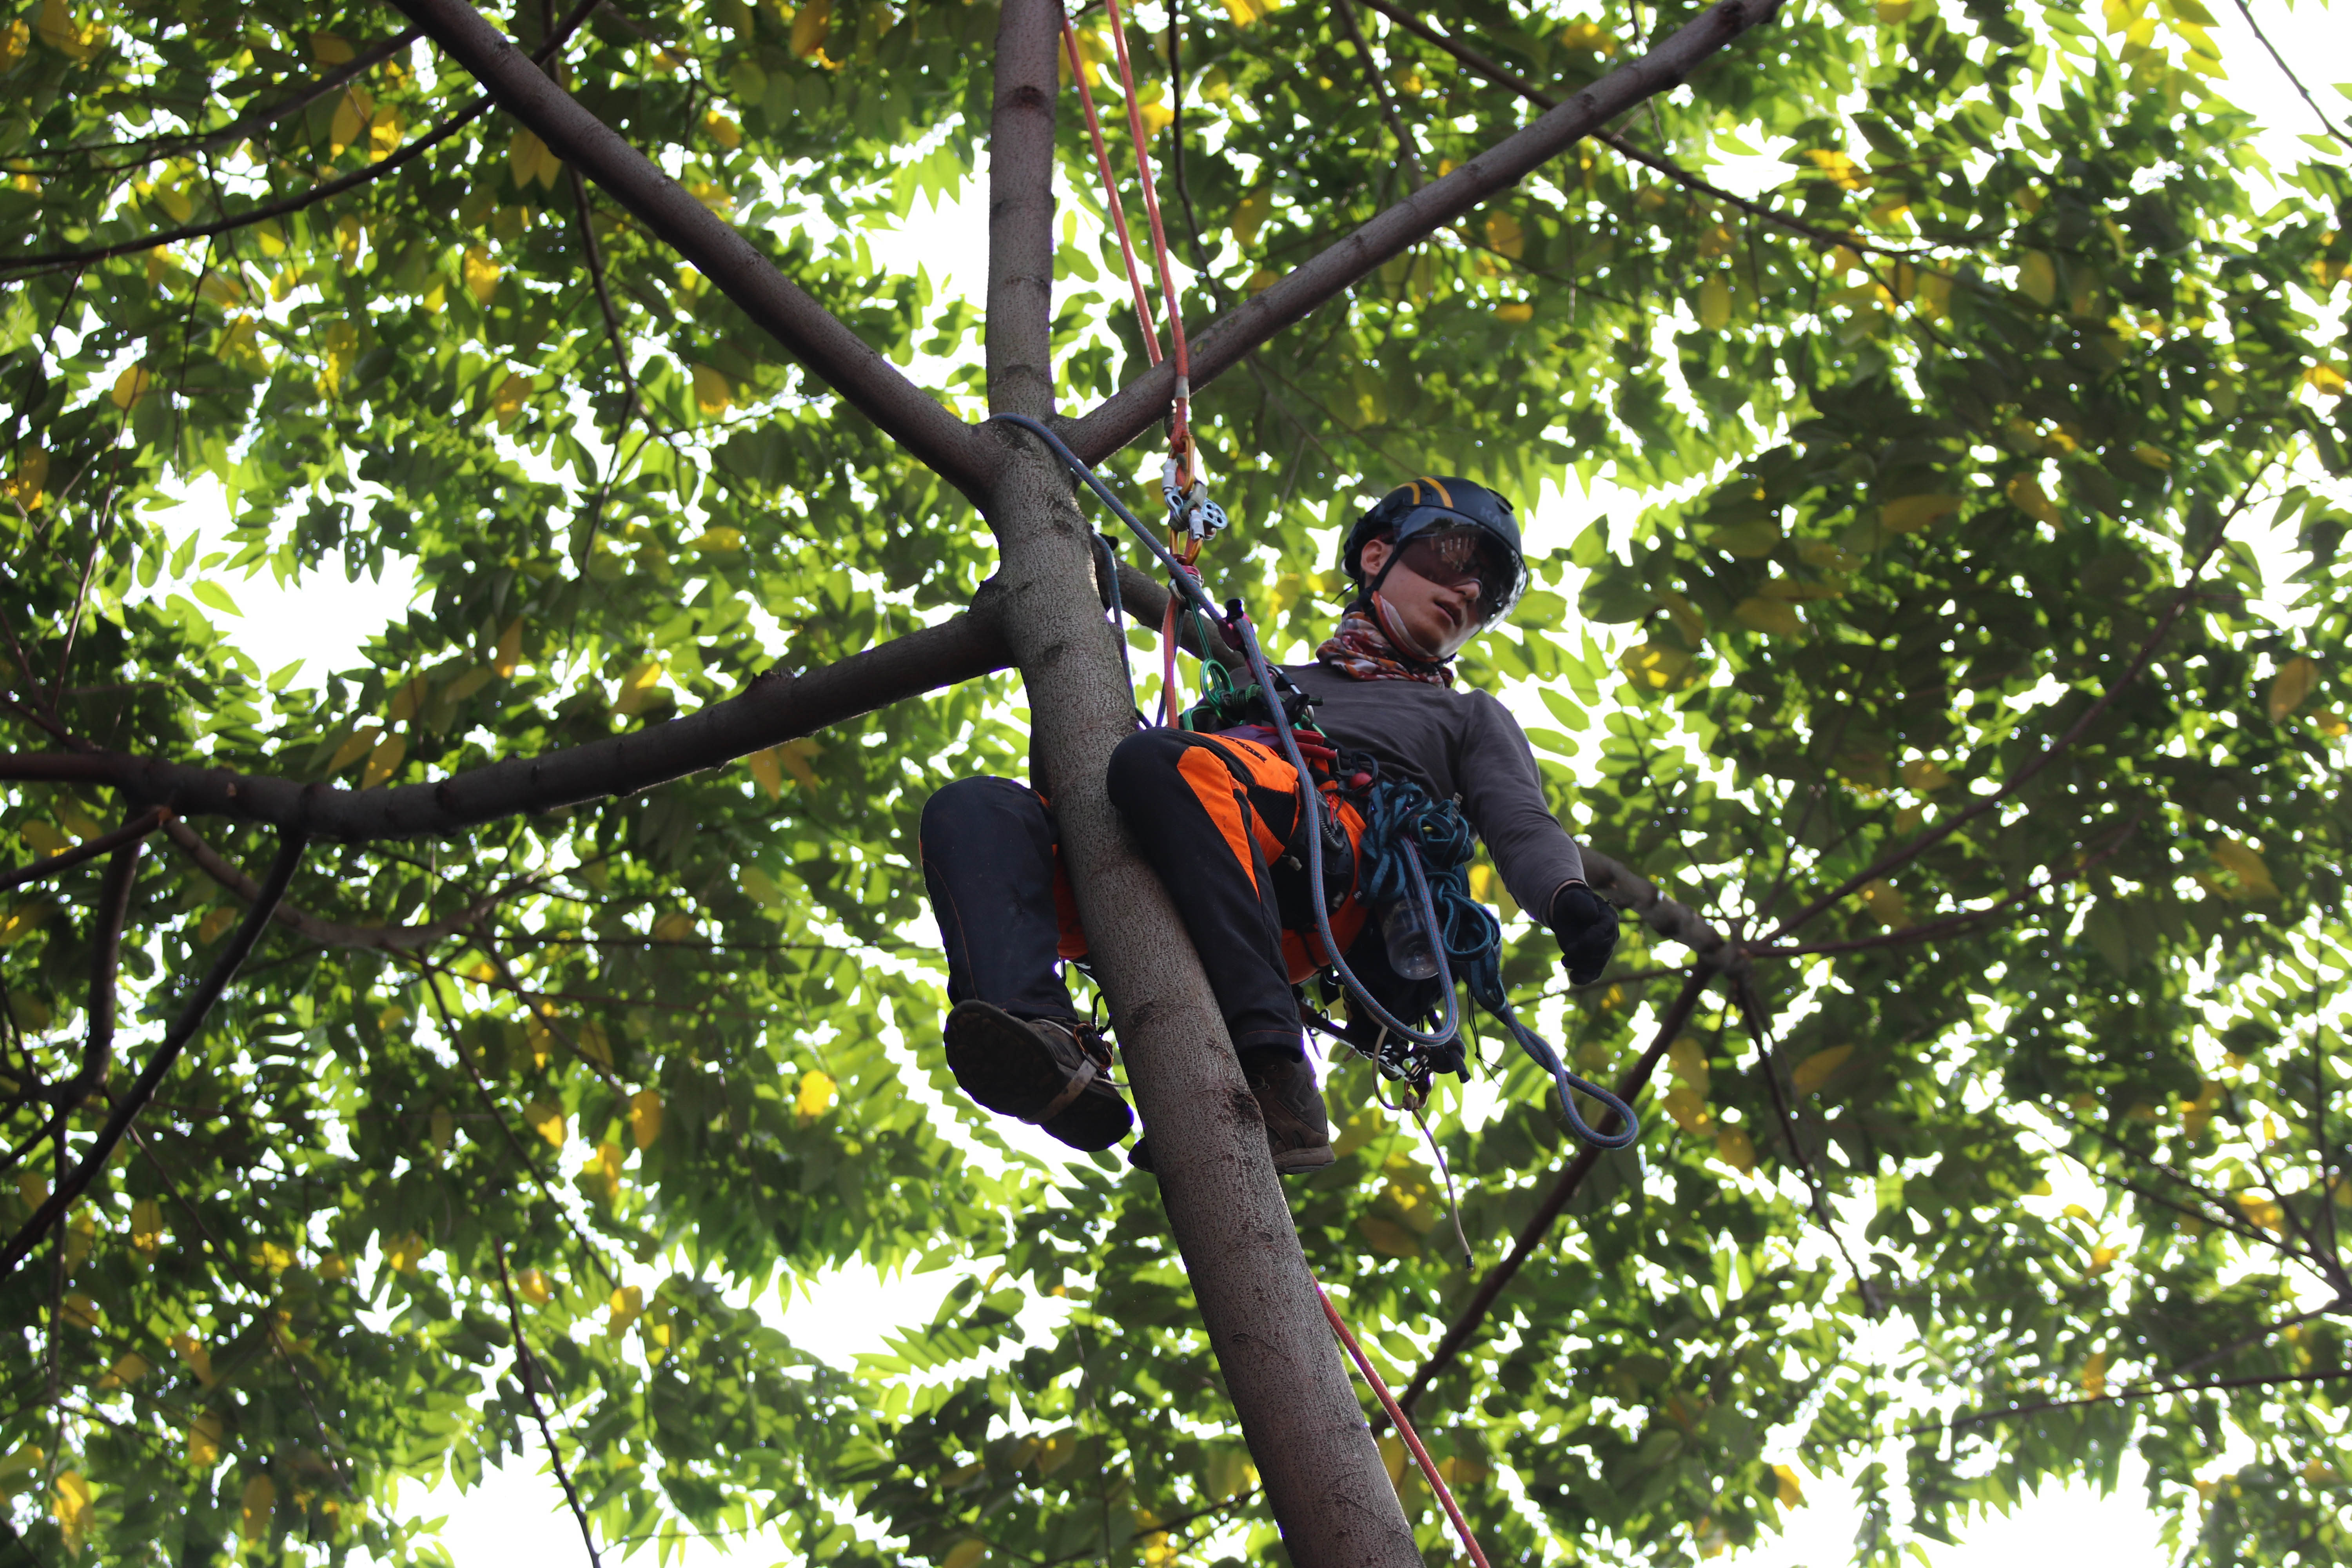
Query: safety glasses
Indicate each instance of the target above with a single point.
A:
(1465, 556)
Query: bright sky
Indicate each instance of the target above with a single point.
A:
(517, 1514)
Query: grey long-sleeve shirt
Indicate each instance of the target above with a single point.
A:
(1460, 745)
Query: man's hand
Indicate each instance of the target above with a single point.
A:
(1586, 925)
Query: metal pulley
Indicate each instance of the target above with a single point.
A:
(1193, 517)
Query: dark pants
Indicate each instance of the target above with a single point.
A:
(1217, 817)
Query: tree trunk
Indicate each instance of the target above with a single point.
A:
(1298, 1409)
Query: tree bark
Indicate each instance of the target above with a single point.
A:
(837, 356)
(1232, 1222)
(776, 707)
(1128, 412)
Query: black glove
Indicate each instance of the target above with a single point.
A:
(1586, 925)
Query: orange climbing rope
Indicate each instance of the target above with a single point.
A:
(1403, 1427)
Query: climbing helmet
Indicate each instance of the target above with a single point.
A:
(1445, 529)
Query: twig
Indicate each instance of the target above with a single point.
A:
(2243, 1340)
(1405, 148)
(130, 832)
(56, 260)
(2287, 71)
(2014, 1410)
(1768, 1059)
(1504, 77)
(2074, 732)
(1465, 1323)
(106, 918)
(524, 1364)
(183, 1028)
(489, 951)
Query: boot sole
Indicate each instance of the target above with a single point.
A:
(1005, 1067)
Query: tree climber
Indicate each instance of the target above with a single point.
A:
(1216, 809)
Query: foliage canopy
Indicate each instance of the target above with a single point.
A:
(1919, 502)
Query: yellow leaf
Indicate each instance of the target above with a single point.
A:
(1688, 1059)
(640, 689)
(1715, 304)
(1816, 1069)
(811, 25)
(1886, 904)
(147, 1225)
(1890, 12)
(1505, 235)
(479, 274)
(383, 762)
(603, 1168)
(28, 485)
(1654, 667)
(62, 32)
(15, 39)
(1774, 617)
(545, 1118)
(1249, 214)
(1245, 12)
(1588, 35)
(1792, 1491)
(1687, 1106)
(628, 1304)
(258, 1504)
(78, 1310)
(207, 1434)
(721, 130)
(2153, 456)
(2037, 278)
(510, 652)
(2326, 380)
(676, 926)
(794, 757)
(329, 49)
(24, 918)
(1908, 514)
(128, 1369)
(766, 774)
(1514, 314)
(965, 1553)
(533, 1283)
(761, 888)
(362, 741)
(1387, 1237)
(1925, 777)
(1840, 170)
(192, 1350)
(70, 1508)
(815, 1095)
(644, 1117)
(2026, 494)
(527, 159)
(2331, 723)
(354, 110)
(718, 540)
(2247, 868)
(402, 1253)
(2094, 1375)
(506, 403)
(2293, 683)
(712, 392)
(2101, 1260)
(130, 386)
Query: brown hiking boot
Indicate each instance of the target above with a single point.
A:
(1296, 1129)
(1056, 1076)
(1297, 1133)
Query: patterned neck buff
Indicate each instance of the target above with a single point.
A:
(1361, 649)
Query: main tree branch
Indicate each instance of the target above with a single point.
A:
(837, 355)
(1128, 412)
(776, 707)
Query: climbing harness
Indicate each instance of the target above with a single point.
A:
(1239, 631)
(1404, 1427)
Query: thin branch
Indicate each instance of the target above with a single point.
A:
(1135, 407)
(106, 918)
(2154, 1393)
(777, 707)
(58, 260)
(1768, 1059)
(2074, 732)
(183, 1028)
(1465, 1323)
(526, 1366)
(2245, 1342)
(2342, 137)
(1405, 148)
(335, 933)
(482, 941)
(1504, 77)
(868, 381)
(130, 832)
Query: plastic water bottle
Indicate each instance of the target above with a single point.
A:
(1412, 951)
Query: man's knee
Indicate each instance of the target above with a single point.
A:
(1143, 770)
(981, 804)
